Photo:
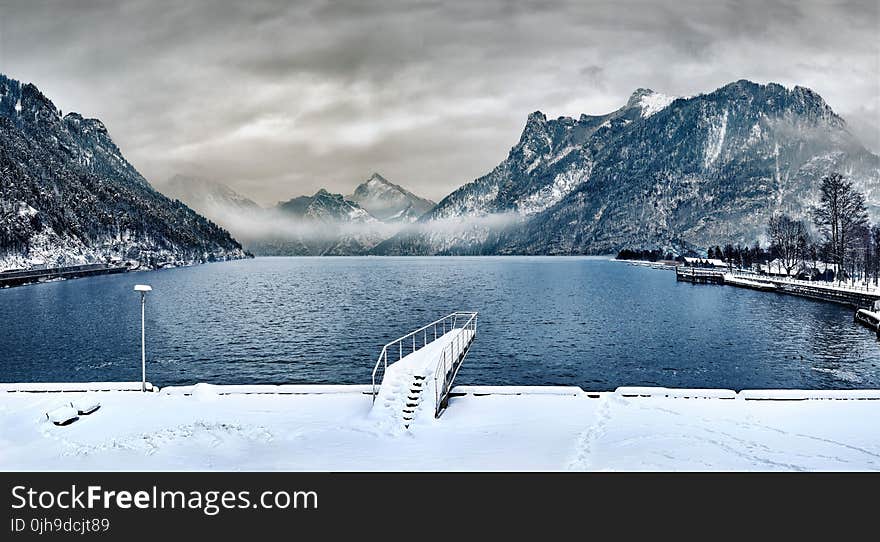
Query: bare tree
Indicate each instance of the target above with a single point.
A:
(875, 249)
(859, 253)
(840, 212)
(788, 239)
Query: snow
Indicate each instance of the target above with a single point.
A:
(729, 278)
(845, 286)
(25, 210)
(654, 102)
(505, 428)
(755, 134)
(56, 387)
(801, 395)
(85, 404)
(269, 389)
(715, 140)
(400, 377)
(692, 393)
(711, 261)
(563, 184)
(60, 415)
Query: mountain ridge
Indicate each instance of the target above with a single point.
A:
(324, 223)
(659, 172)
(68, 195)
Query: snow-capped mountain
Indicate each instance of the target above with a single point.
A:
(321, 224)
(659, 172)
(324, 224)
(68, 196)
(389, 202)
(327, 208)
(210, 198)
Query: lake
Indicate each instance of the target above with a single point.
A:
(587, 322)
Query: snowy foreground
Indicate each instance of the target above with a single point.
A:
(489, 428)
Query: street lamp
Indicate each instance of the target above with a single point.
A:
(143, 289)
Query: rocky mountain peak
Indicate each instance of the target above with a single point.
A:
(637, 95)
(323, 193)
(648, 101)
(389, 202)
(377, 178)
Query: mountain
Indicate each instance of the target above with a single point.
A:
(324, 224)
(389, 202)
(326, 208)
(660, 172)
(67, 195)
(321, 224)
(212, 199)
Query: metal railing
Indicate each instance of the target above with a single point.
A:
(698, 271)
(410, 342)
(451, 360)
(844, 286)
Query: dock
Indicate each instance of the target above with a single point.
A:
(857, 298)
(734, 280)
(699, 275)
(421, 378)
(854, 297)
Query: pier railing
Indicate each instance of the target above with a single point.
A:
(450, 362)
(418, 339)
(846, 286)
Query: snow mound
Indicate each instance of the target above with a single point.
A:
(205, 392)
(62, 415)
(85, 405)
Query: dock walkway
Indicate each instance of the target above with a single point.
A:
(428, 359)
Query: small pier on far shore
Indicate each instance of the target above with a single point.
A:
(857, 297)
(699, 275)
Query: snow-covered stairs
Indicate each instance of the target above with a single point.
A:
(413, 399)
(402, 396)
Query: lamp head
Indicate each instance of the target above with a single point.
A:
(143, 288)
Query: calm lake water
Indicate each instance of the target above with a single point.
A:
(588, 322)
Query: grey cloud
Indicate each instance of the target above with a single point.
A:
(278, 99)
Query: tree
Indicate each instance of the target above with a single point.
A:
(840, 212)
(788, 239)
(875, 250)
(859, 253)
(729, 253)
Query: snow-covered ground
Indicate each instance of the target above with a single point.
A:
(490, 428)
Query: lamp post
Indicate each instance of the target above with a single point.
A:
(143, 289)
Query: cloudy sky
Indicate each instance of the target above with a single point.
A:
(278, 98)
